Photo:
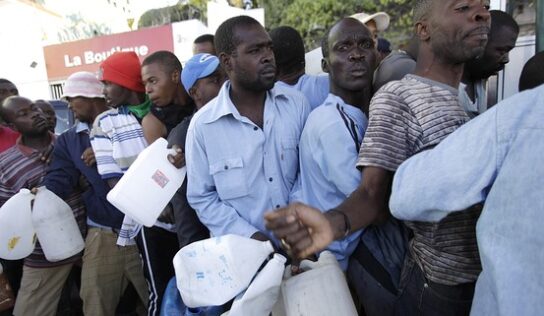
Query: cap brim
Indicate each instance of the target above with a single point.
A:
(382, 19)
(75, 95)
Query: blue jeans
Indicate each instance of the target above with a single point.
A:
(418, 296)
(172, 304)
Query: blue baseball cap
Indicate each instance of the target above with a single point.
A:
(199, 66)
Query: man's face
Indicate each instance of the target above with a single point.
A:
(160, 84)
(252, 64)
(208, 87)
(352, 57)
(82, 108)
(48, 112)
(116, 95)
(459, 30)
(204, 47)
(496, 53)
(25, 116)
(7, 90)
(373, 28)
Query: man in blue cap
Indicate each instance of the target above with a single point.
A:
(202, 78)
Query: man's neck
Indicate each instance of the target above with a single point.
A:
(431, 67)
(37, 142)
(249, 103)
(96, 112)
(181, 98)
(359, 99)
(291, 78)
(136, 98)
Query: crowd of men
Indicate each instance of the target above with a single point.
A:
(400, 165)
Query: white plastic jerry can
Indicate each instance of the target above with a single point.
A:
(263, 292)
(321, 290)
(17, 235)
(210, 272)
(56, 226)
(148, 185)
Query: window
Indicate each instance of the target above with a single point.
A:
(524, 12)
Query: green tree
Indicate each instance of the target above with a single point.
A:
(195, 9)
(313, 17)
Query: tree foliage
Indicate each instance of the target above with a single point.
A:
(313, 17)
(78, 29)
(178, 12)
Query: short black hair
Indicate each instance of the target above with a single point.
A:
(532, 75)
(225, 41)
(421, 9)
(288, 49)
(500, 19)
(166, 59)
(2, 80)
(204, 38)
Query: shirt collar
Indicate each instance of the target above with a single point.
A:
(223, 105)
(82, 127)
(333, 100)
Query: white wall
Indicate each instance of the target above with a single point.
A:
(184, 33)
(23, 30)
(220, 12)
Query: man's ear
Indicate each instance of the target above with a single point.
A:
(422, 30)
(193, 93)
(175, 76)
(325, 64)
(226, 61)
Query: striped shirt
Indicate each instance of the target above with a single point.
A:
(117, 138)
(21, 167)
(406, 117)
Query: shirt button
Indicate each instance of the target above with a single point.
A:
(226, 167)
(270, 179)
(277, 206)
(255, 128)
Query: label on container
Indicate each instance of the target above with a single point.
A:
(160, 178)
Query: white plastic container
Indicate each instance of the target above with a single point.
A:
(263, 292)
(210, 272)
(148, 185)
(17, 235)
(56, 226)
(321, 290)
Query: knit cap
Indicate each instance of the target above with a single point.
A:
(82, 84)
(123, 68)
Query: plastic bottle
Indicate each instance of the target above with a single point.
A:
(148, 185)
(321, 290)
(55, 226)
(210, 272)
(263, 292)
(17, 235)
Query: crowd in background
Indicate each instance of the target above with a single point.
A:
(395, 161)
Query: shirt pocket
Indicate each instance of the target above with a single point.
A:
(229, 178)
(289, 159)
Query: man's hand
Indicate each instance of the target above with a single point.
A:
(178, 160)
(46, 155)
(88, 157)
(305, 229)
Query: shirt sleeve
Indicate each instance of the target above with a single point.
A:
(217, 216)
(102, 144)
(453, 176)
(296, 191)
(62, 176)
(391, 134)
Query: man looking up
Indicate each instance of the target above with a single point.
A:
(332, 135)
(242, 155)
(502, 39)
(290, 63)
(21, 167)
(49, 113)
(107, 268)
(406, 117)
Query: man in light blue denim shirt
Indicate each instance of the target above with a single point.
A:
(496, 158)
(331, 138)
(242, 148)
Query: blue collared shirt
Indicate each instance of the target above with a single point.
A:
(328, 155)
(237, 171)
(496, 158)
(314, 87)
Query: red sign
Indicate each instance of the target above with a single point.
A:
(62, 60)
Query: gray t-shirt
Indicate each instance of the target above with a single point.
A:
(406, 117)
